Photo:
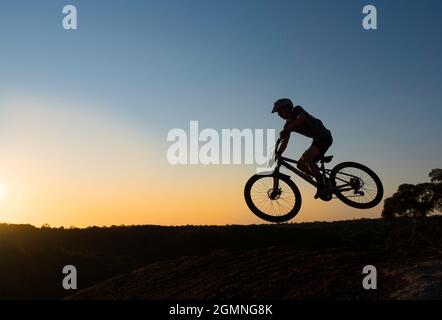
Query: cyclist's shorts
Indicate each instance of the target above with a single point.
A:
(323, 143)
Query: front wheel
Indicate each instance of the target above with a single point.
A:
(269, 203)
(356, 185)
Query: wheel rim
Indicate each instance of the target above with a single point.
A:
(364, 188)
(262, 193)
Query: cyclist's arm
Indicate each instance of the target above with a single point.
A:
(283, 145)
(295, 123)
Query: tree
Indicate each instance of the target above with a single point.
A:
(436, 176)
(436, 179)
(416, 201)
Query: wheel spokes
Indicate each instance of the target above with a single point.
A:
(283, 203)
(356, 184)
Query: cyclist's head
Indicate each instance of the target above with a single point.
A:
(283, 107)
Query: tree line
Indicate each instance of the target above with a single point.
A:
(416, 201)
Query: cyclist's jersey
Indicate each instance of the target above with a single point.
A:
(311, 127)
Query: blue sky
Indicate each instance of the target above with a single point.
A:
(156, 65)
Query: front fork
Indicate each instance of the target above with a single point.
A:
(276, 172)
(275, 192)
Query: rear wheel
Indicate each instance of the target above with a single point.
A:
(356, 185)
(272, 205)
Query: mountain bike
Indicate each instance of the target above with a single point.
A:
(274, 196)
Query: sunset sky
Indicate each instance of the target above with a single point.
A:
(84, 114)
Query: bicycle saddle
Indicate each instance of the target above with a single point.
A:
(326, 159)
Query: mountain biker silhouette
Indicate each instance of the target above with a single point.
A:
(300, 121)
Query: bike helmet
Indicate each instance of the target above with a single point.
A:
(282, 103)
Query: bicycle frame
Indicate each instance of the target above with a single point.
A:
(285, 162)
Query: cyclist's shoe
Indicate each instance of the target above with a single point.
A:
(323, 194)
(320, 193)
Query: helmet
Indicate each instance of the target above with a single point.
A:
(282, 103)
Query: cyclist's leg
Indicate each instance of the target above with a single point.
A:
(308, 161)
(302, 166)
(321, 145)
(309, 157)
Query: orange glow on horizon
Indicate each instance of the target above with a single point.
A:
(60, 167)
